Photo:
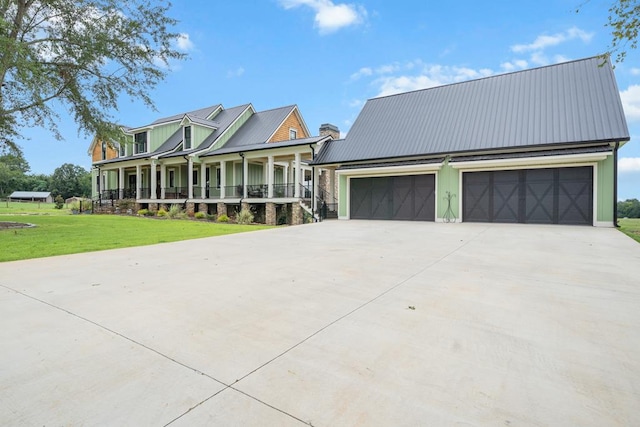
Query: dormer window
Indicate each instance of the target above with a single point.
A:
(140, 145)
(123, 150)
(293, 134)
(187, 137)
(104, 150)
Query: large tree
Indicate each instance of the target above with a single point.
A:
(624, 19)
(13, 169)
(71, 180)
(82, 55)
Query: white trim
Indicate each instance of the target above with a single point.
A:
(604, 224)
(393, 170)
(529, 162)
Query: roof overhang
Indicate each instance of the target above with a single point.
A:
(530, 161)
(391, 170)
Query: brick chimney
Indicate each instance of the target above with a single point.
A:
(329, 129)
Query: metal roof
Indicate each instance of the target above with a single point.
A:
(260, 127)
(202, 113)
(533, 153)
(267, 145)
(30, 194)
(573, 102)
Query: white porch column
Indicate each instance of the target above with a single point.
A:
(121, 183)
(163, 180)
(286, 174)
(316, 180)
(245, 177)
(203, 180)
(223, 179)
(190, 177)
(297, 180)
(270, 177)
(332, 185)
(154, 181)
(138, 181)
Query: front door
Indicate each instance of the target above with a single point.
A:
(132, 185)
(158, 191)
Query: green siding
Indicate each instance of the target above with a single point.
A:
(238, 172)
(256, 175)
(160, 134)
(199, 134)
(232, 130)
(342, 192)
(278, 177)
(229, 173)
(604, 190)
(448, 180)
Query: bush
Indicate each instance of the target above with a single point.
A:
(175, 211)
(211, 217)
(200, 215)
(245, 217)
(223, 218)
(161, 213)
(143, 212)
(59, 202)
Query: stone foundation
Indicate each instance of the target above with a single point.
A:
(202, 207)
(191, 208)
(297, 216)
(153, 207)
(222, 209)
(270, 214)
(245, 205)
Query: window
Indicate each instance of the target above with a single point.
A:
(172, 178)
(104, 150)
(293, 134)
(218, 178)
(195, 176)
(187, 137)
(140, 143)
(123, 150)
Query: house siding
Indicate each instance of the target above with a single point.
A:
(604, 185)
(448, 179)
(291, 122)
(199, 134)
(160, 134)
(96, 155)
(231, 130)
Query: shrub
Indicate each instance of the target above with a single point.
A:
(174, 211)
(245, 217)
(223, 218)
(161, 213)
(211, 217)
(59, 202)
(200, 215)
(143, 212)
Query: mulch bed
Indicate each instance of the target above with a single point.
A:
(5, 225)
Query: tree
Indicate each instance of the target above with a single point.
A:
(85, 54)
(624, 21)
(629, 208)
(71, 180)
(13, 167)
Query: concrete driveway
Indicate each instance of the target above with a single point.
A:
(331, 324)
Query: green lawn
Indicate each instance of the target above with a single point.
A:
(70, 234)
(31, 208)
(630, 227)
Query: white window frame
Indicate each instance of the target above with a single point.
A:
(184, 137)
(294, 132)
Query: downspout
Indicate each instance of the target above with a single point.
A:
(242, 181)
(615, 184)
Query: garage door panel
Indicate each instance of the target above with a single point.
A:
(405, 197)
(538, 196)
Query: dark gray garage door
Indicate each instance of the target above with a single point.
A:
(537, 196)
(409, 197)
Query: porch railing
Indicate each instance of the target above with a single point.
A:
(176, 192)
(145, 193)
(257, 191)
(233, 191)
(284, 190)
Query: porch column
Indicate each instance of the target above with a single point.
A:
(245, 177)
(138, 181)
(286, 174)
(316, 180)
(296, 188)
(163, 179)
(190, 177)
(203, 179)
(270, 177)
(154, 181)
(223, 178)
(120, 183)
(332, 185)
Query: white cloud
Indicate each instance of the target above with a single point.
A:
(635, 71)
(235, 73)
(543, 41)
(356, 103)
(631, 102)
(330, 17)
(184, 43)
(362, 72)
(629, 164)
(539, 58)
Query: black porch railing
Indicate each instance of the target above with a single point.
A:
(145, 193)
(212, 193)
(110, 195)
(232, 191)
(176, 192)
(257, 191)
(284, 190)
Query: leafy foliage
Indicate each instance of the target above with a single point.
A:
(624, 20)
(59, 202)
(71, 180)
(223, 218)
(175, 211)
(244, 217)
(200, 215)
(629, 208)
(83, 55)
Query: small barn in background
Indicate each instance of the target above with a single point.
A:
(31, 196)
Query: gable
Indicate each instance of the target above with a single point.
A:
(96, 152)
(293, 121)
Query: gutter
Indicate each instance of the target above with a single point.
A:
(242, 182)
(313, 183)
(615, 184)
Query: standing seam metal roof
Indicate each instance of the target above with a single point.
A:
(572, 102)
(259, 127)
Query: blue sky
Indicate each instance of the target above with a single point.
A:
(329, 57)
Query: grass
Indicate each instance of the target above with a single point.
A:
(30, 208)
(71, 234)
(630, 227)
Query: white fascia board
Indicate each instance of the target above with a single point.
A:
(393, 170)
(529, 161)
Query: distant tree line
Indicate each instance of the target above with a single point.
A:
(629, 208)
(67, 181)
